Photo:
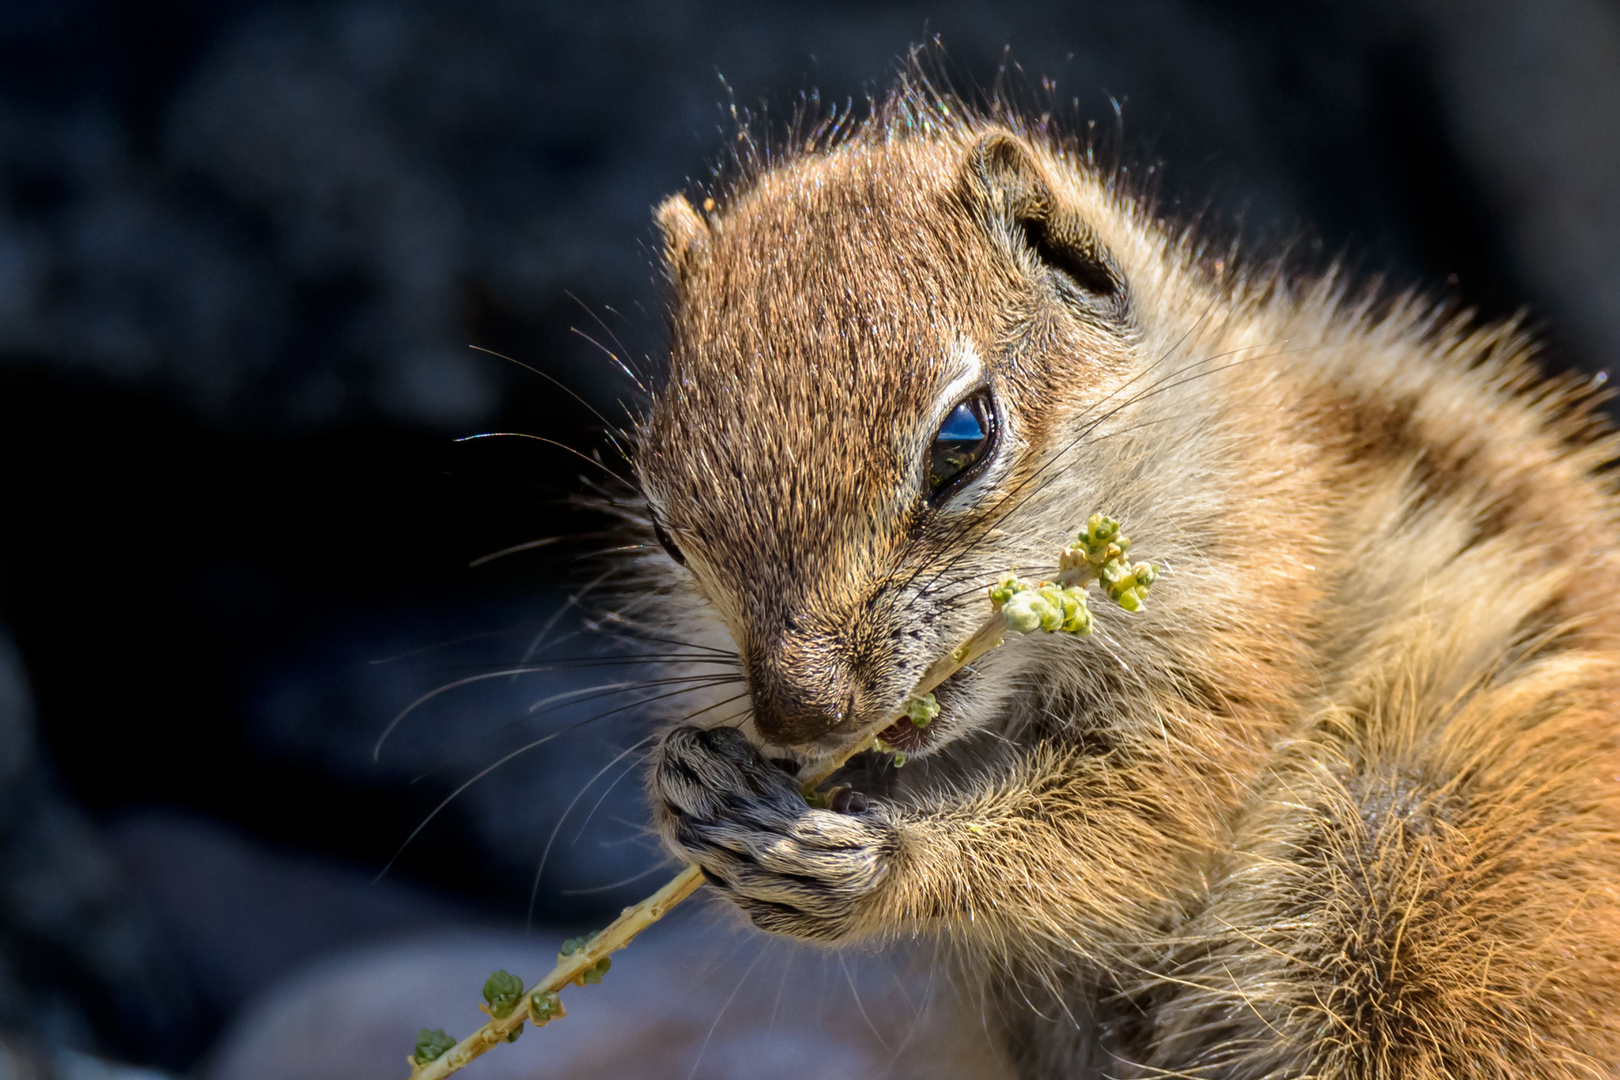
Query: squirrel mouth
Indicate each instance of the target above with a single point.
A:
(905, 736)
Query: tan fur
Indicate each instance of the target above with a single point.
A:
(1340, 802)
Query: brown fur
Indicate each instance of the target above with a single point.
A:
(1340, 802)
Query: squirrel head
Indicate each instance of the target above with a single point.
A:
(880, 355)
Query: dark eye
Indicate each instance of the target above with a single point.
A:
(669, 544)
(962, 442)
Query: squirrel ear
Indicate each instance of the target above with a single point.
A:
(685, 236)
(1009, 187)
(1006, 179)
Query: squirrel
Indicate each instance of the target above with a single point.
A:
(1341, 801)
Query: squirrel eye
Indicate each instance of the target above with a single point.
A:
(962, 441)
(663, 538)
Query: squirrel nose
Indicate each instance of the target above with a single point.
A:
(797, 699)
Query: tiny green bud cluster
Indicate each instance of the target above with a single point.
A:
(1129, 586)
(1053, 606)
(1100, 531)
(592, 974)
(1004, 590)
(501, 993)
(922, 710)
(545, 1007)
(1100, 549)
(883, 746)
(1050, 607)
(432, 1044)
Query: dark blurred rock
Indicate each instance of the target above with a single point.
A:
(334, 200)
(21, 1060)
(1533, 90)
(241, 916)
(82, 964)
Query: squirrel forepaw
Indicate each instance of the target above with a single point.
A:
(794, 869)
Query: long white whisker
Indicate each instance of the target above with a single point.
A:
(721, 1014)
(448, 799)
(860, 1005)
(376, 750)
(600, 799)
(656, 868)
(539, 872)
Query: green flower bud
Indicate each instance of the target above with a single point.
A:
(1004, 590)
(512, 1036)
(922, 710)
(594, 973)
(899, 760)
(501, 992)
(1130, 600)
(1076, 614)
(576, 944)
(1023, 612)
(432, 1044)
(1052, 613)
(1099, 530)
(1146, 574)
(545, 1007)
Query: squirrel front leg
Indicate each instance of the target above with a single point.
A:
(1054, 852)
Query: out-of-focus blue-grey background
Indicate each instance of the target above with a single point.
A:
(244, 249)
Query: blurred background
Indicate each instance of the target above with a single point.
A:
(245, 247)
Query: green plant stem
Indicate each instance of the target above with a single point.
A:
(621, 932)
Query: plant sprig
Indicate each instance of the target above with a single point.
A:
(1056, 606)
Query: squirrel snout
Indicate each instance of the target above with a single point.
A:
(797, 703)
